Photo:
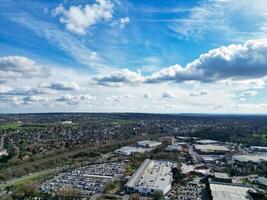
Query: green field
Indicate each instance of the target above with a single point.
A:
(29, 126)
(40, 176)
(10, 126)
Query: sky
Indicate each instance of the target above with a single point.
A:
(152, 56)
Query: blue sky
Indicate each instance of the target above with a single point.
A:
(133, 56)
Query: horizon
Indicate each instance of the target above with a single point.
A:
(142, 113)
(115, 56)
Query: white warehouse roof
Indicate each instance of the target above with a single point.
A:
(256, 158)
(152, 176)
(222, 191)
(210, 147)
(149, 143)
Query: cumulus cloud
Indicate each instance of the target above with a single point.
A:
(22, 91)
(119, 78)
(78, 19)
(124, 21)
(236, 63)
(34, 99)
(241, 61)
(167, 94)
(14, 67)
(61, 85)
(74, 100)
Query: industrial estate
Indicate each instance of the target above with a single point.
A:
(130, 159)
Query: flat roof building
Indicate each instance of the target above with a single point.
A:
(179, 146)
(128, 150)
(206, 141)
(150, 177)
(148, 143)
(258, 148)
(249, 164)
(255, 158)
(229, 191)
(210, 148)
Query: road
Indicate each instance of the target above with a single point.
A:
(194, 154)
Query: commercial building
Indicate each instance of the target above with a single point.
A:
(150, 177)
(248, 164)
(128, 150)
(206, 142)
(167, 140)
(229, 191)
(210, 148)
(179, 146)
(258, 148)
(261, 181)
(148, 143)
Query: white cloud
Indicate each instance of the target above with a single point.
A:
(124, 21)
(74, 99)
(147, 95)
(199, 93)
(167, 94)
(79, 19)
(22, 91)
(234, 20)
(62, 85)
(14, 67)
(119, 78)
(245, 84)
(250, 93)
(34, 99)
(62, 39)
(241, 61)
(119, 98)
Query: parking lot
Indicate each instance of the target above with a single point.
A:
(89, 180)
(189, 192)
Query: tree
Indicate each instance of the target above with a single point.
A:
(176, 174)
(135, 196)
(68, 193)
(158, 195)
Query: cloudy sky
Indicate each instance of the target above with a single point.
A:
(186, 56)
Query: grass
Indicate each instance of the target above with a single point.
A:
(29, 126)
(10, 126)
(36, 177)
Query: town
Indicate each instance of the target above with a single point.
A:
(102, 162)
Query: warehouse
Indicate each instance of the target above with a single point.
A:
(150, 177)
(148, 143)
(210, 148)
(249, 164)
(129, 150)
(226, 191)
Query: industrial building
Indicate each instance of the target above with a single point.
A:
(210, 148)
(229, 191)
(248, 164)
(148, 143)
(179, 146)
(129, 150)
(150, 177)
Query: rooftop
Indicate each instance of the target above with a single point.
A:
(149, 143)
(206, 141)
(222, 191)
(130, 149)
(256, 158)
(210, 147)
(152, 174)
